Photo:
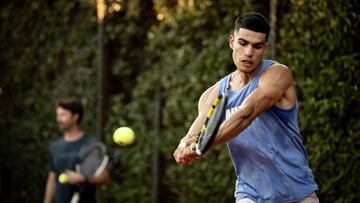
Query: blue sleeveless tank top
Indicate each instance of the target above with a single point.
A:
(269, 157)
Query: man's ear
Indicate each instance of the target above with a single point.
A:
(266, 46)
(231, 41)
(76, 116)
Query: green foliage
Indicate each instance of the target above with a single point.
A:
(49, 50)
(46, 53)
(186, 52)
(318, 43)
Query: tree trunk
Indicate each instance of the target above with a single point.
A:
(273, 20)
(156, 145)
(103, 74)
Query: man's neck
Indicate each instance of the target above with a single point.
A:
(247, 77)
(240, 79)
(73, 134)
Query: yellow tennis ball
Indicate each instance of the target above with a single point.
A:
(124, 136)
(63, 178)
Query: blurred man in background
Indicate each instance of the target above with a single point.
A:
(63, 155)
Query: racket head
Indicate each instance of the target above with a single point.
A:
(212, 124)
(92, 158)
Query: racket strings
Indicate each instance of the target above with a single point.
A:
(91, 158)
(93, 150)
(92, 162)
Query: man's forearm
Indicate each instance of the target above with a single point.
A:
(49, 192)
(194, 130)
(242, 118)
(235, 124)
(102, 179)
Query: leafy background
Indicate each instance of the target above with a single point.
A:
(169, 51)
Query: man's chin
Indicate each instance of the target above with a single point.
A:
(246, 69)
(63, 129)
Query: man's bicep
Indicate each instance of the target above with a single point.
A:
(274, 83)
(272, 86)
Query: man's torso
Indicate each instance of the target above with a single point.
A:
(269, 157)
(64, 156)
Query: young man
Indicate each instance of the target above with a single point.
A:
(261, 127)
(63, 155)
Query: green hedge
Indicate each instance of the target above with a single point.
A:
(48, 50)
(319, 43)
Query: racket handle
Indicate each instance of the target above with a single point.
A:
(75, 198)
(193, 146)
(198, 152)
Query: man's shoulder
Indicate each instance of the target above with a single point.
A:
(276, 64)
(56, 143)
(61, 141)
(89, 139)
(210, 92)
(276, 68)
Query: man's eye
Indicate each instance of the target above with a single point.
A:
(257, 46)
(242, 43)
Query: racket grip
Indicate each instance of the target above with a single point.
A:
(193, 146)
(75, 198)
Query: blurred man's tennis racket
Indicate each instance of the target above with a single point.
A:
(92, 162)
(211, 125)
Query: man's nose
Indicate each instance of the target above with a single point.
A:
(249, 51)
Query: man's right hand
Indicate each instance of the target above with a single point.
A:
(184, 155)
(74, 177)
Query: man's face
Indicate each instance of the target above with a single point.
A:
(248, 49)
(65, 119)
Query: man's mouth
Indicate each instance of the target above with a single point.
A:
(247, 62)
(61, 125)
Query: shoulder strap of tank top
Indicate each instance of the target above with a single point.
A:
(264, 65)
(224, 84)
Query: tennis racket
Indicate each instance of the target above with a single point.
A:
(92, 161)
(211, 126)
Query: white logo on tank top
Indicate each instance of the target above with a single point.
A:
(229, 112)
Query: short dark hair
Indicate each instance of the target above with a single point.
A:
(253, 21)
(72, 104)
